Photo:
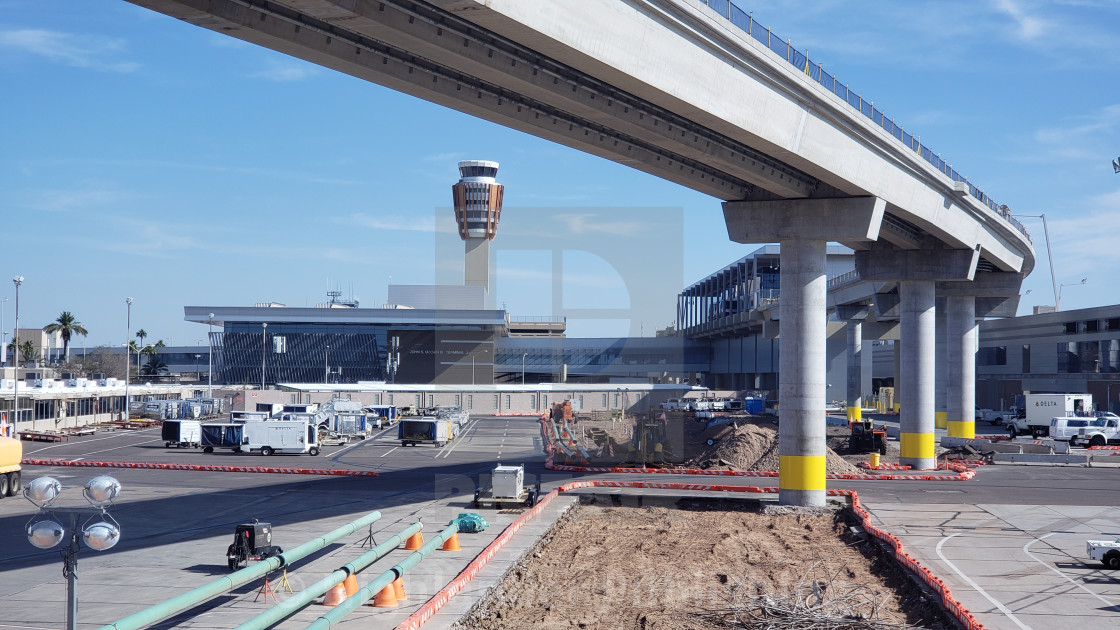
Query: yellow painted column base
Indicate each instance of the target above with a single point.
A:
(917, 451)
(940, 419)
(962, 429)
(801, 472)
(897, 407)
(855, 414)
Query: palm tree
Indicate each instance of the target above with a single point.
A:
(66, 325)
(154, 366)
(152, 350)
(140, 334)
(27, 349)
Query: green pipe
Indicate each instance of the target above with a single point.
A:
(229, 582)
(290, 605)
(366, 593)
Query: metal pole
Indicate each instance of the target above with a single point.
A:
(210, 370)
(326, 365)
(14, 431)
(70, 570)
(264, 329)
(523, 368)
(127, 353)
(3, 334)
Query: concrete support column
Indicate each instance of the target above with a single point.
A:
(802, 373)
(940, 370)
(855, 370)
(917, 319)
(963, 333)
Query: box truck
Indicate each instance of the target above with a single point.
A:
(1038, 409)
(182, 433)
(438, 431)
(281, 436)
(11, 454)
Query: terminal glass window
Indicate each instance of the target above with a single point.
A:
(1110, 356)
(507, 401)
(292, 399)
(419, 401)
(458, 400)
(1026, 358)
(1089, 351)
(431, 400)
(44, 409)
(996, 355)
(470, 401)
(532, 401)
(544, 401)
(390, 399)
(1113, 323)
(1092, 325)
(496, 403)
(1071, 328)
(1068, 360)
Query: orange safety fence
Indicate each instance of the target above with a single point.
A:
(341, 472)
(433, 605)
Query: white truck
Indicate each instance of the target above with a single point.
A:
(1039, 409)
(1104, 429)
(1107, 552)
(281, 436)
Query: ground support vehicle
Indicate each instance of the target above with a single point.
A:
(994, 416)
(11, 454)
(1099, 432)
(438, 431)
(222, 435)
(507, 486)
(1066, 428)
(251, 541)
(181, 433)
(281, 436)
(1107, 552)
(388, 414)
(1039, 409)
(865, 438)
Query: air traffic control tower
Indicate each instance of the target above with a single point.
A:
(478, 206)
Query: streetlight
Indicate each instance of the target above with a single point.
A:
(210, 372)
(44, 531)
(1050, 255)
(127, 353)
(18, 280)
(523, 355)
(1058, 304)
(326, 365)
(264, 328)
(3, 334)
(196, 358)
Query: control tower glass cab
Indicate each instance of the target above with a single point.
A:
(478, 206)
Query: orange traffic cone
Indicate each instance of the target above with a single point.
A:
(398, 589)
(451, 544)
(350, 584)
(414, 541)
(335, 595)
(385, 598)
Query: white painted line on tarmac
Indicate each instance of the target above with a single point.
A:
(976, 586)
(108, 437)
(106, 450)
(450, 447)
(1026, 550)
(389, 451)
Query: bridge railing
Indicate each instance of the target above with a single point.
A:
(783, 48)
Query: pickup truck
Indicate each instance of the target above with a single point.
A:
(1104, 429)
(1107, 552)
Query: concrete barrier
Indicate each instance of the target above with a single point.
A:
(1039, 458)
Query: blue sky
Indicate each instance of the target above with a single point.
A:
(145, 157)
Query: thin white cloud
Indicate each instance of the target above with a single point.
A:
(1028, 27)
(80, 51)
(398, 223)
(1086, 137)
(575, 224)
(286, 72)
(76, 200)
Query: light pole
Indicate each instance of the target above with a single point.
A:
(326, 364)
(264, 329)
(196, 358)
(1058, 302)
(210, 369)
(1050, 255)
(18, 280)
(523, 355)
(45, 532)
(127, 353)
(3, 334)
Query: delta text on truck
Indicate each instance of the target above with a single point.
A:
(1038, 409)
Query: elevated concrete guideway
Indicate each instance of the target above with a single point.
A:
(676, 89)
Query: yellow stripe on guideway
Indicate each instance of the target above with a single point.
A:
(940, 419)
(855, 414)
(962, 429)
(801, 472)
(917, 445)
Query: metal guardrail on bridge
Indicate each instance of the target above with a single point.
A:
(746, 23)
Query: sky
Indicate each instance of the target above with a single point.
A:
(144, 157)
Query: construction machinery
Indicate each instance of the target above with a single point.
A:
(251, 541)
(865, 438)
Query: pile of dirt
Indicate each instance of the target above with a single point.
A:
(660, 568)
(753, 445)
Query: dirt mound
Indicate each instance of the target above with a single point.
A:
(661, 568)
(754, 446)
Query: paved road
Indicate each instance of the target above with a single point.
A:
(1009, 543)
